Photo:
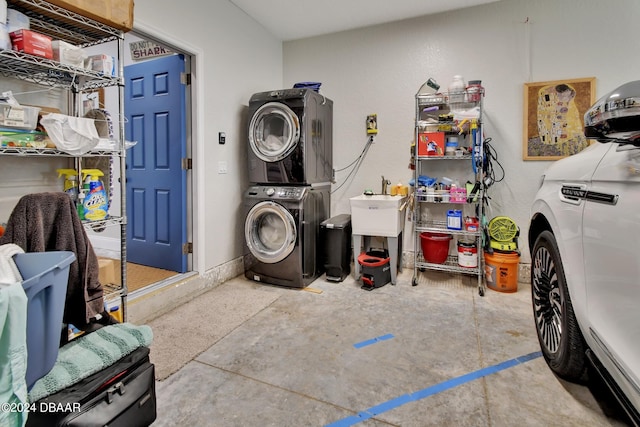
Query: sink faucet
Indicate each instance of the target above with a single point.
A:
(385, 184)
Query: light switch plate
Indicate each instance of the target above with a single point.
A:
(222, 167)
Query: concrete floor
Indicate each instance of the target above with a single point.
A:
(436, 354)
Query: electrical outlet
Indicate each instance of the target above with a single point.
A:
(372, 124)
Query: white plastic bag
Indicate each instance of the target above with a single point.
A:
(73, 135)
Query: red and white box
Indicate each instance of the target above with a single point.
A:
(33, 43)
(431, 144)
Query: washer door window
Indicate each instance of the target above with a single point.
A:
(270, 232)
(274, 132)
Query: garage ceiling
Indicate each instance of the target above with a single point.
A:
(296, 19)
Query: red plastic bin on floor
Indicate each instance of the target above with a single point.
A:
(435, 246)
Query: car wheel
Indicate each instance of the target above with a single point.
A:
(561, 341)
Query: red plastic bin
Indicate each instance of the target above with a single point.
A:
(435, 246)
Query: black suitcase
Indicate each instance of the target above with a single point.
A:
(124, 394)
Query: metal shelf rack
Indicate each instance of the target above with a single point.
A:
(61, 24)
(439, 106)
(32, 151)
(52, 73)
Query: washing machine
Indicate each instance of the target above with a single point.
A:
(281, 233)
(290, 137)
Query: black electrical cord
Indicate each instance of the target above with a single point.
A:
(491, 158)
(356, 163)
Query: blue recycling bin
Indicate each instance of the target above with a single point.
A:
(45, 276)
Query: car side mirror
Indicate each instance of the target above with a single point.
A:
(616, 116)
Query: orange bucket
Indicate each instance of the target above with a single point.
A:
(501, 271)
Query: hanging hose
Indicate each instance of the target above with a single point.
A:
(355, 164)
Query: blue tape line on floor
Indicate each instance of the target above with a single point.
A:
(373, 341)
(430, 391)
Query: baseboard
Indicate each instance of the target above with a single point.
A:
(524, 272)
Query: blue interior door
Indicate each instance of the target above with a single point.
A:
(156, 182)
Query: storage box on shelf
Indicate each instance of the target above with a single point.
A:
(103, 64)
(66, 53)
(19, 117)
(448, 128)
(32, 43)
(62, 25)
(115, 13)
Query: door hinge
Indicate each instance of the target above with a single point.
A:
(187, 163)
(185, 78)
(187, 248)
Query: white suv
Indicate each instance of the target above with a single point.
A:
(584, 239)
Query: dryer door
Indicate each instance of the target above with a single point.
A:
(270, 232)
(274, 131)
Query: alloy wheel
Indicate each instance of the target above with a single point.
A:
(547, 300)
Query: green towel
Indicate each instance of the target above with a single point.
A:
(89, 354)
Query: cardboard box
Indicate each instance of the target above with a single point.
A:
(431, 144)
(66, 53)
(107, 271)
(114, 13)
(103, 64)
(33, 43)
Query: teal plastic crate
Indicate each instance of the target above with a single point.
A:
(45, 276)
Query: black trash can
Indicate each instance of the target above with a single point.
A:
(335, 233)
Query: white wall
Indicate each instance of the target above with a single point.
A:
(236, 58)
(379, 69)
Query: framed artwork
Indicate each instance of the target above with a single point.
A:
(554, 117)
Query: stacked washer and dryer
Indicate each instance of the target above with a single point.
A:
(290, 152)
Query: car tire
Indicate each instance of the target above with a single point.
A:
(561, 341)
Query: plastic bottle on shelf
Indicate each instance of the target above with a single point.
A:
(80, 204)
(457, 193)
(475, 91)
(451, 146)
(453, 190)
(70, 182)
(454, 219)
(96, 203)
(456, 89)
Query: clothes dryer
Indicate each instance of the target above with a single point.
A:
(290, 137)
(281, 233)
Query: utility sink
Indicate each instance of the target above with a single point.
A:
(377, 214)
